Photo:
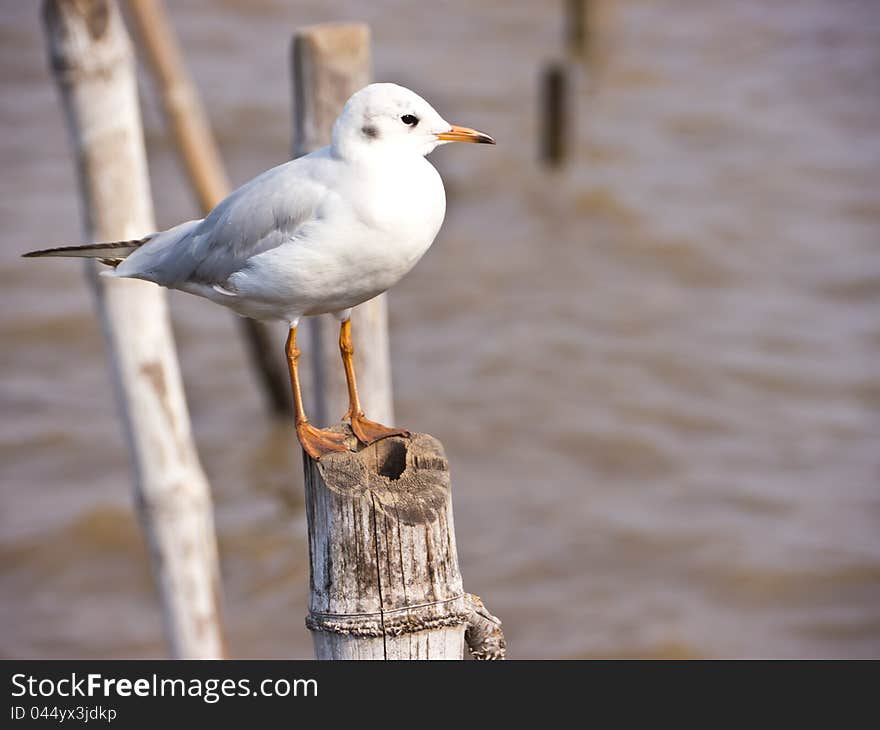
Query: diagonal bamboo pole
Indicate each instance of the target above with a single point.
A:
(204, 167)
(91, 60)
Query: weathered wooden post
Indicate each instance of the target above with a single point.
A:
(204, 167)
(385, 582)
(91, 60)
(329, 63)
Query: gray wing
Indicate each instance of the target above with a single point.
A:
(260, 215)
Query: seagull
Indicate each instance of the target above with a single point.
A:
(319, 234)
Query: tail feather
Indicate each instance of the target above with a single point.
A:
(111, 253)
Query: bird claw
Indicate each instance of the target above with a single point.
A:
(369, 432)
(317, 441)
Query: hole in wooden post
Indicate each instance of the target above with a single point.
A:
(391, 455)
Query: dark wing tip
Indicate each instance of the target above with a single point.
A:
(43, 252)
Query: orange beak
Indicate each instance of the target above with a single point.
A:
(465, 134)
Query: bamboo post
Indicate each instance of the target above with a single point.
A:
(91, 60)
(201, 159)
(384, 576)
(328, 64)
(578, 28)
(559, 78)
(554, 115)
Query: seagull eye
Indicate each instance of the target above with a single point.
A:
(409, 120)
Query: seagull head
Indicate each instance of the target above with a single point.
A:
(390, 119)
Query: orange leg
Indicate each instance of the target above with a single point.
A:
(367, 431)
(315, 441)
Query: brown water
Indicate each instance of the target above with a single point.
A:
(655, 373)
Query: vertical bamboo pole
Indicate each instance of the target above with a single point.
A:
(559, 80)
(384, 576)
(554, 115)
(204, 167)
(578, 27)
(91, 60)
(329, 63)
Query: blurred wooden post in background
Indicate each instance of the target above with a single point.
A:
(384, 576)
(328, 64)
(204, 167)
(91, 60)
(558, 82)
(554, 115)
(578, 28)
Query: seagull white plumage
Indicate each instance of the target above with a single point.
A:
(322, 233)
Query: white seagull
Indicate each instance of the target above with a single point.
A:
(322, 233)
